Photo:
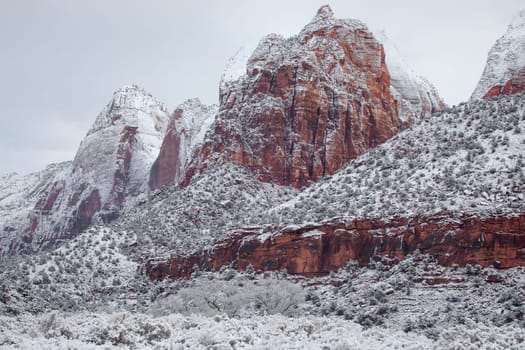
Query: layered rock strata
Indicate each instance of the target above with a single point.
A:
(316, 249)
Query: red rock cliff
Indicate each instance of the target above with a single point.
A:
(313, 250)
(186, 130)
(306, 105)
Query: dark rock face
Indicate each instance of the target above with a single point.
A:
(166, 167)
(85, 212)
(186, 130)
(314, 250)
(123, 163)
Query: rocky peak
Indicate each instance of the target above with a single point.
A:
(128, 106)
(125, 139)
(324, 13)
(108, 175)
(323, 17)
(305, 105)
(504, 72)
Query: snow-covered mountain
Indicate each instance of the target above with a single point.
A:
(505, 69)
(299, 110)
(305, 105)
(411, 224)
(109, 174)
(120, 147)
(432, 183)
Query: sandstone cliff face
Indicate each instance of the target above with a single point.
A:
(306, 105)
(317, 249)
(504, 72)
(185, 134)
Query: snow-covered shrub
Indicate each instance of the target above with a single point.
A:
(235, 298)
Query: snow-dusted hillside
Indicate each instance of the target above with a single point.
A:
(91, 269)
(222, 198)
(19, 193)
(506, 60)
(466, 159)
(415, 304)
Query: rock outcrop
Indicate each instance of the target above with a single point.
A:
(308, 104)
(185, 134)
(504, 72)
(316, 249)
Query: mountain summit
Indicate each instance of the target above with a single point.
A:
(108, 175)
(307, 104)
(504, 72)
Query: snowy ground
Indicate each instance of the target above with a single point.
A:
(126, 330)
(374, 307)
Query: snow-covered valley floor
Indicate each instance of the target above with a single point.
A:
(108, 330)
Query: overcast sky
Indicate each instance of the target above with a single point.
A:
(61, 60)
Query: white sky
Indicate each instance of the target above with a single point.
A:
(61, 60)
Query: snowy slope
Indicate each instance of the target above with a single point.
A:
(417, 97)
(19, 195)
(505, 59)
(235, 68)
(466, 159)
(117, 330)
(180, 220)
(374, 307)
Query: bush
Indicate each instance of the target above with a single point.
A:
(233, 298)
